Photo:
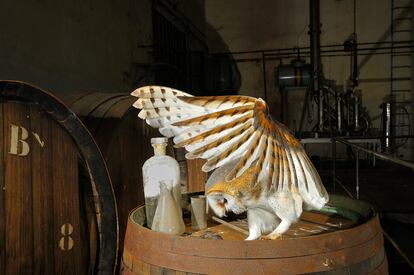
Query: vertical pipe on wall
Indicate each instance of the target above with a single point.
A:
(411, 141)
(333, 141)
(357, 173)
(356, 112)
(354, 52)
(314, 32)
(264, 76)
(387, 127)
(338, 112)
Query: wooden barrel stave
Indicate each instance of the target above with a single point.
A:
(296, 265)
(46, 230)
(2, 194)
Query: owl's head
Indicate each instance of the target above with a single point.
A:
(228, 196)
(222, 202)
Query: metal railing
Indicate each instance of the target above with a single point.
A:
(385, 157)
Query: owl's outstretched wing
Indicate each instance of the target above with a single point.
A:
(223, 128)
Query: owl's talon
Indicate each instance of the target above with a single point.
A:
(273, 236)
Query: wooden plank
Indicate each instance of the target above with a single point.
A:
(156, 270)
(68, 253)
(146, 268)
(89, 229)
(322, 219)
(43, 218)
(196, 177)
(2, 194)
(18, 225)
(311, 223)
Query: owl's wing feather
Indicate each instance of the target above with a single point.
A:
(219, 102)
(223, 128)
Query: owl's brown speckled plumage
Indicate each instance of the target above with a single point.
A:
(238, 187)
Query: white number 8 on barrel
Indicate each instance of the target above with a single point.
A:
(66, 242)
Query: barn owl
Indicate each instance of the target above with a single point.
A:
(260, 167)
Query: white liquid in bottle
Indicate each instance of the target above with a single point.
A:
(160, 168)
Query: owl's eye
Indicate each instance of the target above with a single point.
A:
(222, 202)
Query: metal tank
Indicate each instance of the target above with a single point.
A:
(296, 74)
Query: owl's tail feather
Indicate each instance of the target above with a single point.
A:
(314, 201)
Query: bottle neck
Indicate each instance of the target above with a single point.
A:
(159, 149)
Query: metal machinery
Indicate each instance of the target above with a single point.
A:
(339, 108)
(342, 119)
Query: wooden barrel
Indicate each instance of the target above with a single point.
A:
(124, 140)
(57, 209)
(356, 250)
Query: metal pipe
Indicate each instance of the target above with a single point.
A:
(355, 73)
(341, 50)
(387, 127)
(307, 48)
(264, 76)
(397, 247)
(304, 110)
(385, 157)
(315, 46)
(278, 56)
(344, 188)
(320, 111)
(356, 112)
(379, 155)
(338, 112)
(355, 16)
(357, 175)
(393, 243)
(334, 165)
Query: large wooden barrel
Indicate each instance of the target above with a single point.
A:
(355, 250)
(124, 140)
(57, 207)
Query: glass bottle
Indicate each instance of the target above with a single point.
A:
(160, 168)
(168, 217)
